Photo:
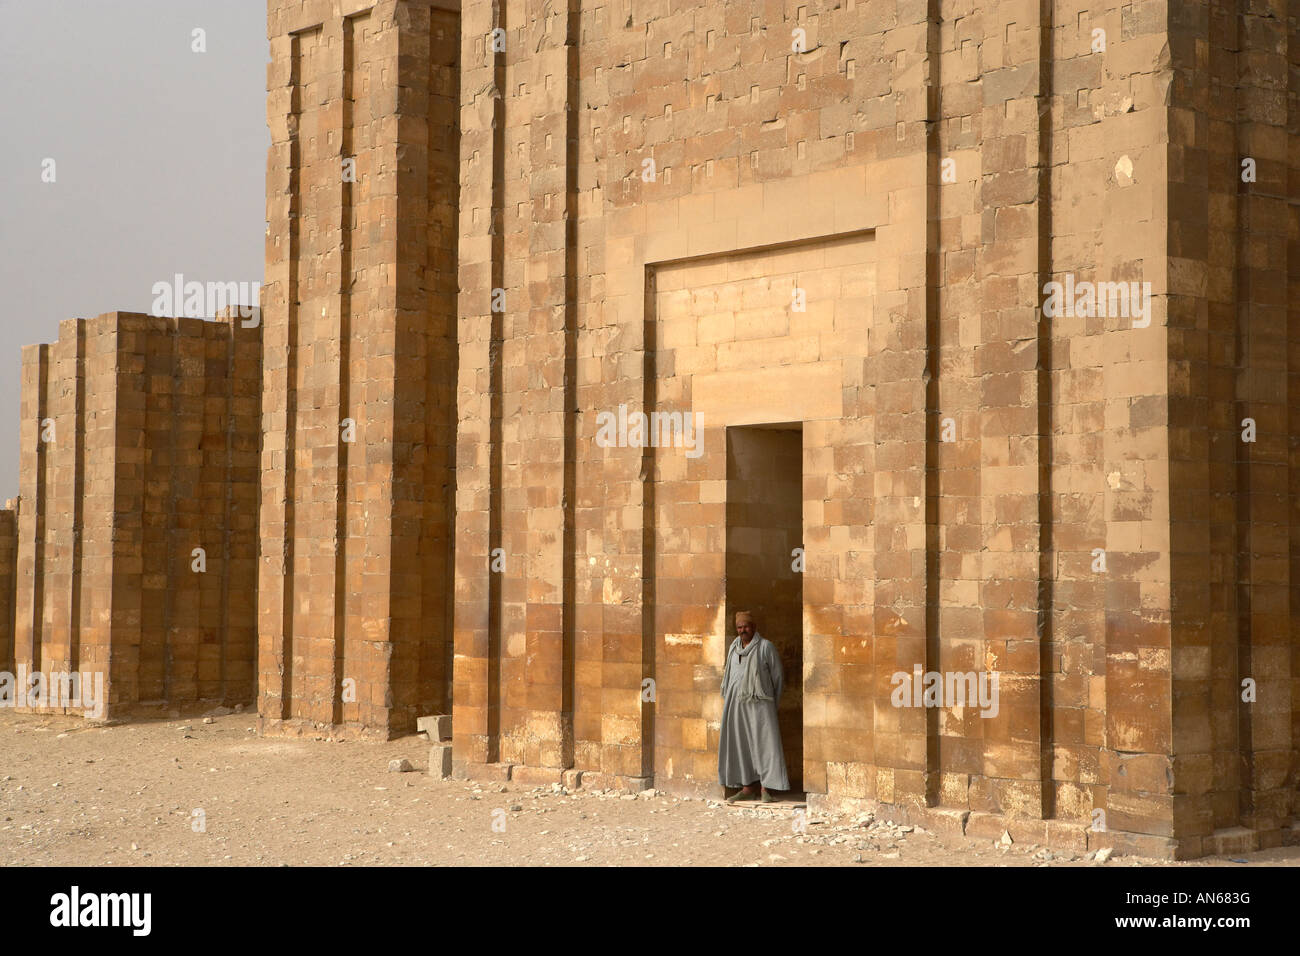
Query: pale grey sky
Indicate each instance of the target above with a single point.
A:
(160, 159)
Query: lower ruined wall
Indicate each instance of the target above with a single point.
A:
(8, 579)
(137, 531)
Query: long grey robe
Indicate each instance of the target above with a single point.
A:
(749, 745)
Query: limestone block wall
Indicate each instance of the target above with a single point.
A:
(359, 404)
(925, 169)
(1234, 412)
(8, 581)
(495, 224)
(1048, 525)
(136, 528)
(540, 671)
(874, 220)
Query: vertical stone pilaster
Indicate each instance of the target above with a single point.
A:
(476, 706)
(1265, 651)
(357, 468)
(33, 463)
(8, 581)
(897, 365)
(537, 662)
(1007, 266)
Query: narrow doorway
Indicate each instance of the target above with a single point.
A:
(764, 529)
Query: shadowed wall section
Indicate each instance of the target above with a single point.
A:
(137, 541)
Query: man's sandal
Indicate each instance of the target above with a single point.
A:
(768, 798)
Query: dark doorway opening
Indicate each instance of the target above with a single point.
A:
(764, 529)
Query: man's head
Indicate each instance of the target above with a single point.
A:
(745, 624)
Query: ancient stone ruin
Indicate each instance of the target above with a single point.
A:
(951, 338)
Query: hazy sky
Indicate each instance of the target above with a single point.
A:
(160, 157)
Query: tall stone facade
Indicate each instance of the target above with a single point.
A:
(137, 522)
(359, 405)
(951, 338)
(848, 217)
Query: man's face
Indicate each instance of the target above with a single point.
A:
(745, 627)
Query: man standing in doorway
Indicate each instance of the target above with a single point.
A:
(749, 745)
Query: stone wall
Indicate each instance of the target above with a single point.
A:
(8, 581)
(137, 519)
(846, 216)
(990, 487)
(1234, 414)
(494, 227)
(359, 402)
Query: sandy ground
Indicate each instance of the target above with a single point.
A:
(77, 795)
